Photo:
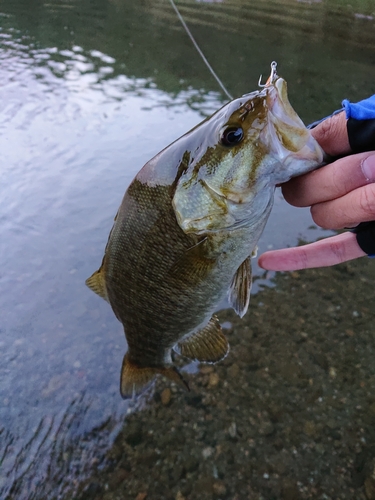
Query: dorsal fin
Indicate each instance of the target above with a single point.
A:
(135, 378)
(207, 345)
(96, 283)
(239, 292)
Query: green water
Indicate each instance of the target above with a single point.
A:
(89, 91)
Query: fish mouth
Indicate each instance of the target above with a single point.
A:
(277, 99)
(280, 107)
(288, 137)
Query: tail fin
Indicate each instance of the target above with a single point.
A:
(134, 378)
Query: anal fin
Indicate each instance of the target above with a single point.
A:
(239, 292)
(207, 345)
(96, 283)
(135, 378)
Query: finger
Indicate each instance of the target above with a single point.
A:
(346, 211)
(323, 253)
(332, 135)
(332, 181)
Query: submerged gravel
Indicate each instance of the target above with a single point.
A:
(289, 414)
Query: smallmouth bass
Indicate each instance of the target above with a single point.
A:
(188, 225)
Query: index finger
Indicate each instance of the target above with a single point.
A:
(322, 253)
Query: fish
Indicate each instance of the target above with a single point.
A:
(188, 226)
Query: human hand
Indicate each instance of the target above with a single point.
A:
(341, 194)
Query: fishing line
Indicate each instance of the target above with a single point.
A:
(199, 50)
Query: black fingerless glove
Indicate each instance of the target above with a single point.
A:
(361, 133)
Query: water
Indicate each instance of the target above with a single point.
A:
(90, 90)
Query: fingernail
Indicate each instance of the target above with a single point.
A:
(368, 168)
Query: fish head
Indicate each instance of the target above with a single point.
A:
(237, 158)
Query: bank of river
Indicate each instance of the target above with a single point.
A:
(289, 414)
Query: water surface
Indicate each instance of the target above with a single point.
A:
(90, 90)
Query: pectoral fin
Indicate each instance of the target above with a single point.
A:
(97, 284)
(239, 292)
(196, 262)
(135, 378)
(207, 345)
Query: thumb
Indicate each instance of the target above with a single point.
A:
(332, 135)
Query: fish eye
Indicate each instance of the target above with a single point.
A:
(231, 136)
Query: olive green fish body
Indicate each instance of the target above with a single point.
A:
(162, 283)
(187, 227)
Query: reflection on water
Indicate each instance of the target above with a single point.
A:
(90, 90)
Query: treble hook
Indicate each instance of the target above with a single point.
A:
(271, 78)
